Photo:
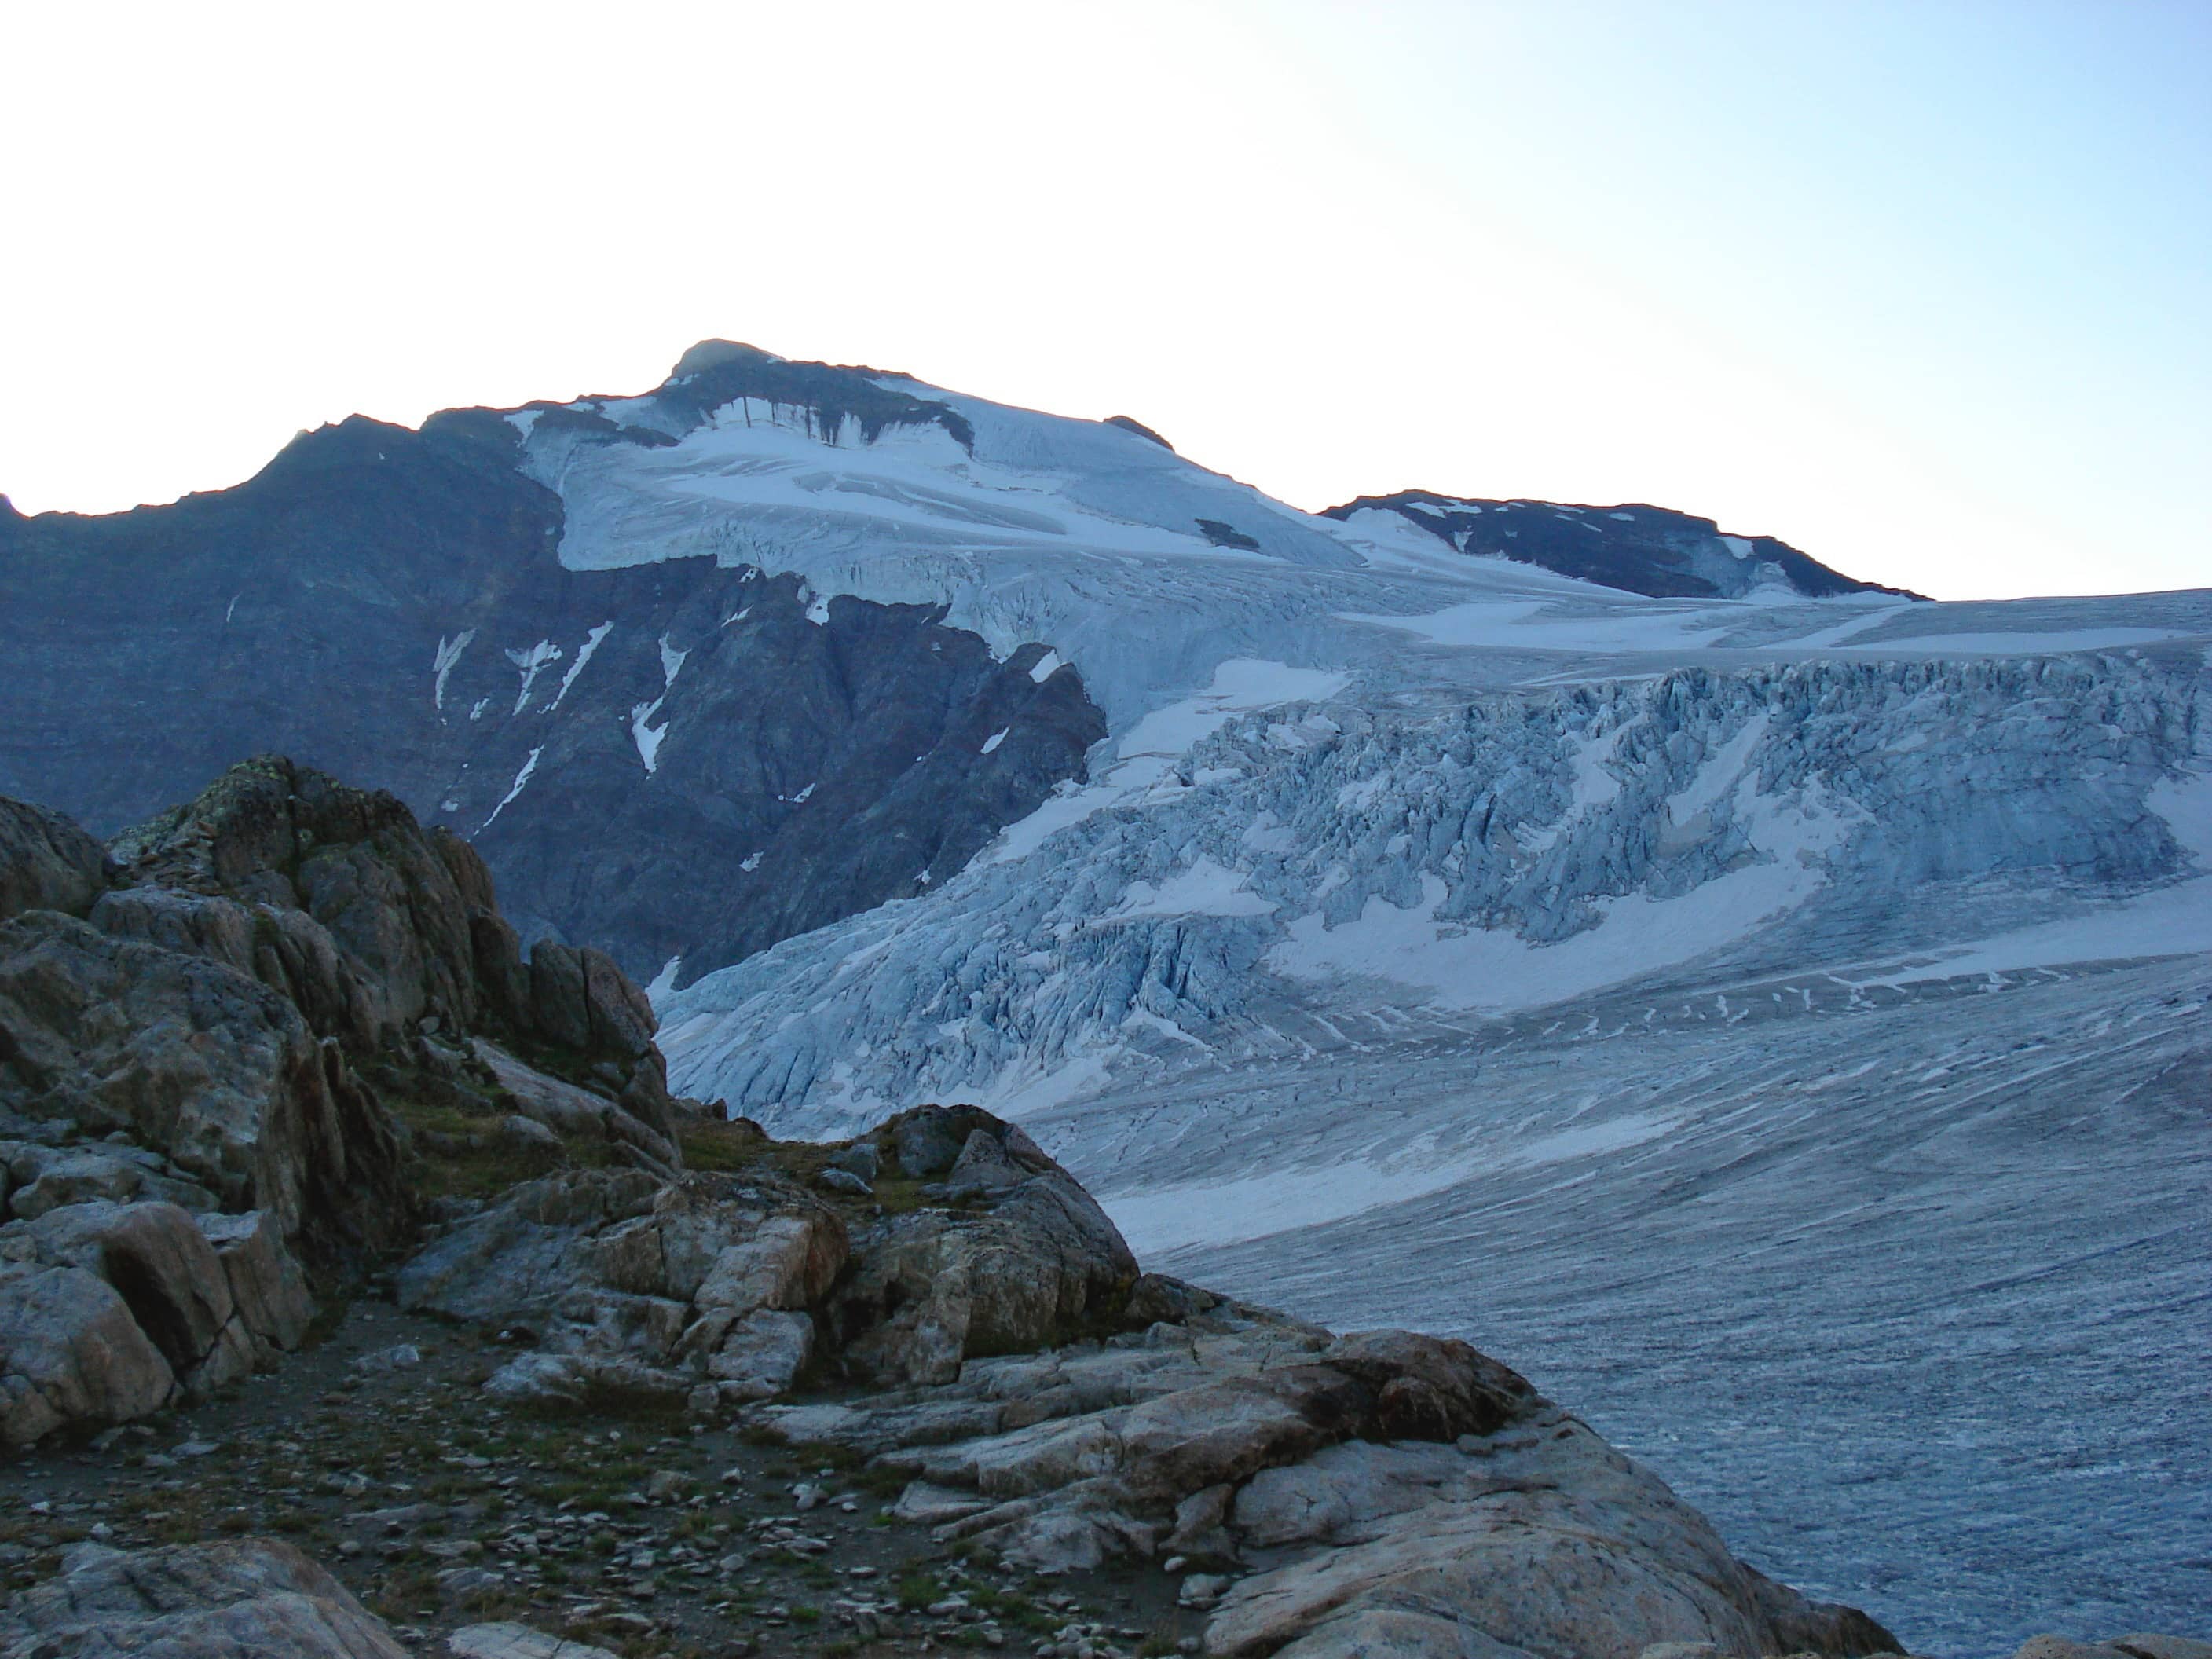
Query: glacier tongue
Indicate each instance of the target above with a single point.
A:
(1905, 1282)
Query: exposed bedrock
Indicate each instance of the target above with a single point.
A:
(204, 1028)
(1643, 549)
(208, 1601)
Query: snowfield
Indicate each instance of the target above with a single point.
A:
(1778, 1024)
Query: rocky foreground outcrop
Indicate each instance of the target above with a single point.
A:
(1383, 1491)
(721, 1289)
(212, 1034)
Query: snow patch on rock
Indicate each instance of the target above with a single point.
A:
(448, 654)
(530, 661)
(646, 735)
(522, 781)
(583, 655)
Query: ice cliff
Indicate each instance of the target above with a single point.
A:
(1310, 860)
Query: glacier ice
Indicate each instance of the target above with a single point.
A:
(1519, 849)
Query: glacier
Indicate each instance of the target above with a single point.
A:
(1779, 1019)
(1514, 851)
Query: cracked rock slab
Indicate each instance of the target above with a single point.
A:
(194, 1602)
(510, 1641)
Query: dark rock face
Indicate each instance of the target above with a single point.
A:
(102, 1037)
(1131, 424)
(195, 1068)
(799, 770)
(714, 373)
(1642, 550)
(46, 862)
(651, 758)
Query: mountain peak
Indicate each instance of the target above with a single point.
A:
(713, 354)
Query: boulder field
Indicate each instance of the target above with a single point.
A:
(278, 1049)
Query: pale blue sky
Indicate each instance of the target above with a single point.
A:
(1922, 288)
(1987, 227)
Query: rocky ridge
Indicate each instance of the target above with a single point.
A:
(1637, 548)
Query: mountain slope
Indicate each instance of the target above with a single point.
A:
(686, 757)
